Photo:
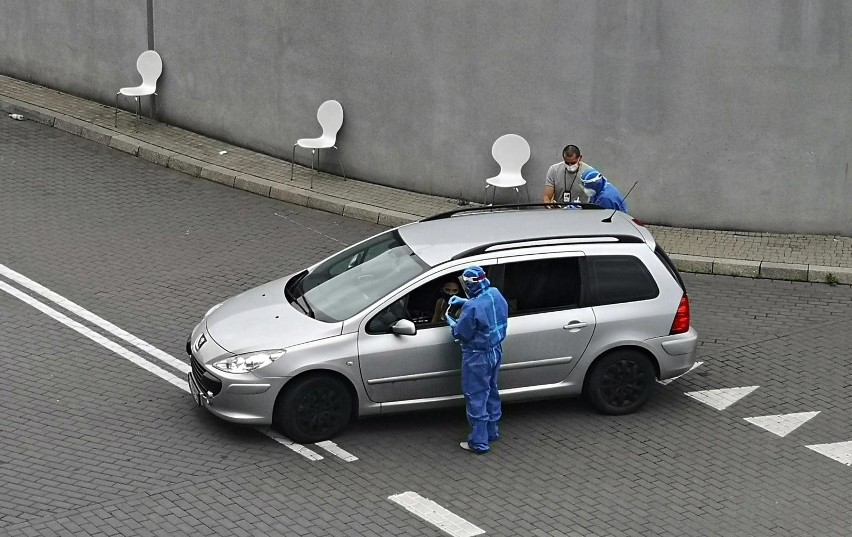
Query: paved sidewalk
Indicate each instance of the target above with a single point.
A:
(816, 258)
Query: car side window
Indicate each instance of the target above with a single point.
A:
(541, 285)
(614, 279)
(425, 306)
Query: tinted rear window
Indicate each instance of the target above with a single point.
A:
(619, 278)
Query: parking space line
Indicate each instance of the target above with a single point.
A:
(436, 515)
(97, 338)
(284, 441)
(94, 319)
(337, 451)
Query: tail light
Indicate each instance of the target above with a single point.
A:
(638, 222)
(681, 320)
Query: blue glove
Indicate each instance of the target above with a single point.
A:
(452, 321)
(456, 300)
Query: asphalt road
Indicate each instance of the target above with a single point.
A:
(93, 444)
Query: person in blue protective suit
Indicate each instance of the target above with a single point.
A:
(602, 192)
(481, 329)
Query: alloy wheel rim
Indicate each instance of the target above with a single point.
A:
(319, 411)
(622, 383)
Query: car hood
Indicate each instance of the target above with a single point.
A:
(262, 319)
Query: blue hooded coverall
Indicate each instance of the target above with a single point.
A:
(481, 329)
(606, 195)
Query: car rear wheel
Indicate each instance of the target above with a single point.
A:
(313, 409)
(620, 382)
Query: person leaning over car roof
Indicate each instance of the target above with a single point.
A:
(602, 192)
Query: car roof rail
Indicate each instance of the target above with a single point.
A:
(514, 206)
(549, 241)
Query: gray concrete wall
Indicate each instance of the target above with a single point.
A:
(730, 114)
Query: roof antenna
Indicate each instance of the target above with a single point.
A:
(609, 218)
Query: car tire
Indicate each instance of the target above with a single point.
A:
(620, 382)
(313, 409)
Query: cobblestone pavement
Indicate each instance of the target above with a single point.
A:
(817, 258)
(91, 444)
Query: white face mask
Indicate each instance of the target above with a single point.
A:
(572, 168)
(589, 192)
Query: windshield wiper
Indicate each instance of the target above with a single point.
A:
(291, 297)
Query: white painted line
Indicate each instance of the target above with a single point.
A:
(723, 398)
(436, 515)
(782, 424)
(94, 319)
(97, 338)
(337, 451)
(839, 451)
(668, 381)
(121, 351)
(284, 441)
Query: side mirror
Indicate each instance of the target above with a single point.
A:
(404, 327)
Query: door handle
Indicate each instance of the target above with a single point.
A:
(575, 325)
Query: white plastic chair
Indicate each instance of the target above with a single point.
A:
(511, 152)
(150, 66)
(330, 117)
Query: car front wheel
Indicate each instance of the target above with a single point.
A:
(620, 382)
(313, 409)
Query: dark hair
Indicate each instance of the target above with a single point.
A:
(571, 151)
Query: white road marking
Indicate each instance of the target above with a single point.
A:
(722, 398)
(839, 451)
(97, 338)
(667, 381)
(337, 451)
(434, 514)
(133, 340)
(94, 319)
(782, 424)
(284, 441)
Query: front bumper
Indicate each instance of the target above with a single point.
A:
(242, 398)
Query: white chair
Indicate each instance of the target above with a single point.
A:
(330, 117)
(511, 152)
(150, 66)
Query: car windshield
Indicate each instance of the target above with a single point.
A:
(357, 277)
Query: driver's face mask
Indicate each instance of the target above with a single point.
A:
(449, 292)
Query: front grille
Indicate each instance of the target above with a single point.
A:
(208, 382)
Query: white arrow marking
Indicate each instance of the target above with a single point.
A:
(667, 381)
(723, 398)
(839, 451)
(435, 514)
(782, 424)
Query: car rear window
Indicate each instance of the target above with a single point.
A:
(614, 279)
(667, 262)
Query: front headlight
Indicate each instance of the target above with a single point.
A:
(245, 363)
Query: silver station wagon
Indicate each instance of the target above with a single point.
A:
(595, 308)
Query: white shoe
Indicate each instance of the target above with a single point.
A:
(465, 446)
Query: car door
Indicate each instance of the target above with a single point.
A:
(548, 331)
(410, 367)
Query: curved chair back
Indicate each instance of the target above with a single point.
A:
(150, 66)
(511, 152)
(330, 117)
